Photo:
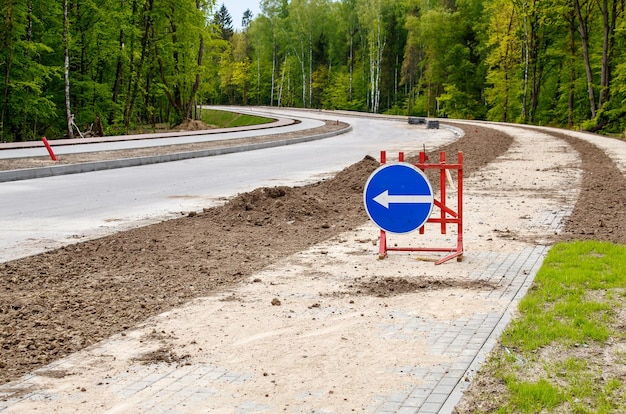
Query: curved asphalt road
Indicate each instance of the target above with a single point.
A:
(46, 213)
(281, 125)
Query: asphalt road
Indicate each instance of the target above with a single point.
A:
(281, 125)
(50, 212)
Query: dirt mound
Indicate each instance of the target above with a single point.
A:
(392, 286)
(192, 125)
(323, 204)
(599, 212)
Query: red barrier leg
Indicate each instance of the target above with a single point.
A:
(49, 148)
(382, 245)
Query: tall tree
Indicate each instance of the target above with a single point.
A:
(66, 72)
(224, 22)
(371, 18)
(503, 60)
(583, 12)
(610, 10)
(137, 73)
(352, 27)
(247, 18)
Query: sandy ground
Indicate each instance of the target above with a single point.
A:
(316, 330)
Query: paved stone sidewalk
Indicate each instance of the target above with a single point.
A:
(460, 345)
(466, 341)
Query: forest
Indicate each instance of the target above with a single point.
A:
(111, 66)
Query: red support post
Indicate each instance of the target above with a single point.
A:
(442, 187)
(49, 148)
(382, 244)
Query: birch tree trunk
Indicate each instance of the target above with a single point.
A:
(66, 72)
(273, 71)
(351, 66)
(303, 69)
(310, 69)
(380, 43)
(370, 14)
(282, 82)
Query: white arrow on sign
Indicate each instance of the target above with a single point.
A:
(384, 199)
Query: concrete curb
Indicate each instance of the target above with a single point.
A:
(31, 173)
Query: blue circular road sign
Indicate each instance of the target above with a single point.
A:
(398, 197)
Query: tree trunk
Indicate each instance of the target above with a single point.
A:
(8, 43)
(29, 23)
(370, 95)
(131, 65)
(177, 90)
(526, 68)
(584, 35)
(196, 85)
(310, 69)
(118, 73)
(273, 70)
(395, 81)
(282, 83)
(609, 19)
(66, 71)
(303, 64)
(572, 72)
(147, 25)
(376, 56)
(351, 65)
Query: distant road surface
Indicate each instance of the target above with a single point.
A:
(171, 138)
(50, 212)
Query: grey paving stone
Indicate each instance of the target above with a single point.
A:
(389, 407)
(414, 401)
(430, 408)
(449, 380)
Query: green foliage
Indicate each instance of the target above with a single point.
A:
(151, 61)
(335, 92)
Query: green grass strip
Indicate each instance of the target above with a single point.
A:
(227, 119)
(565, 350)
(568, 301)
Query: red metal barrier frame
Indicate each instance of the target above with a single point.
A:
(446, 216)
